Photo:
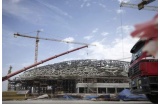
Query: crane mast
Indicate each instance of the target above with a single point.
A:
(36, 48)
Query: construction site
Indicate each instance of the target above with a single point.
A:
(89, 78)
(76, 76)
(97, 80)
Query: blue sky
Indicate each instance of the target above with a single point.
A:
(100, 22)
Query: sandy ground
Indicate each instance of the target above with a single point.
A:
(73, 102)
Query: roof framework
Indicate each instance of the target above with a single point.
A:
(79, 68)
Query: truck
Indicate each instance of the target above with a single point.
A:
(143, 72)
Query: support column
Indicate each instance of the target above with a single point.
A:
(26, 87)
(32, 89)
(39, 89)
(78, 90)
(115, 89)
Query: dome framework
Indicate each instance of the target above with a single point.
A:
(75, 76)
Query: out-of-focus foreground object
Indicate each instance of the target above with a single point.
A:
(143, 70)
(148, 31)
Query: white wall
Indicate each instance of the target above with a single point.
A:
(106, 85)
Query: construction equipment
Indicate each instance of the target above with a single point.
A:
(142, 5)
(57, 40)
(144, 2)
(143, 72)
(36, 48)
(40, 62)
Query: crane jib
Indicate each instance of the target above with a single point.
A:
(33, 65)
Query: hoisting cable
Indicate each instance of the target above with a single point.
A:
(122, 34)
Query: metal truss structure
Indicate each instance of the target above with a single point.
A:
(79, 68)
(75, 76)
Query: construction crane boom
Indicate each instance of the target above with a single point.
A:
(72, 42)
(37, 41)
(40, 62)
(139, 6)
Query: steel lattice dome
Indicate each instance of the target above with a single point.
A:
(79, 68)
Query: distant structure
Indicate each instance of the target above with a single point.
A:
(9, 71)
(75, 76)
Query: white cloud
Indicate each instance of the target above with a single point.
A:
(120, 11)
(88, 4)
(85, 3)
(125, 1)
(71, 46)
(104, 33)
(41, 30)
(102, 5)
(88, 37)
(69, 39)
(95, 30)
(126, 29)
(114, 51)
(82, 5)
(92, 34)
(118, 49)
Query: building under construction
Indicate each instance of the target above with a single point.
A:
(76, 76)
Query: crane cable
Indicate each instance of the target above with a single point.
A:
(121, 34)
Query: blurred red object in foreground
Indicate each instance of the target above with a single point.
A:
(147, 31)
